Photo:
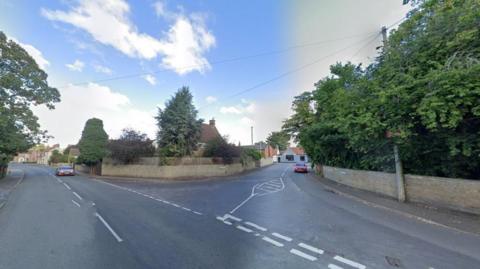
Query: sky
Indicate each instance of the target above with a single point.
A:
(121, 60)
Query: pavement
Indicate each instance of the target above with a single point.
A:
(268, 218)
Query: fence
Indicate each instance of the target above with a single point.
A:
(452, 193)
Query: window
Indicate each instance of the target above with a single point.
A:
(302, 158)
(289, 157)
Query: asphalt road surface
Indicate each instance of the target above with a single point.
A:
(269, 218)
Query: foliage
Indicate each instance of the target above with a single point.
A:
(424, 88)
(58, 157)
(219, 147)
(22, 85)
(252, 154)
(278, 139)
(130, 146)
(93, 143)
(179, 128)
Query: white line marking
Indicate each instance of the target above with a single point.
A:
(303, 255)
(222, 220)
(271, 241)
(313, 249)
(109, 228)
(75, 203)
(166, 202)
(187, 209)
(175, 205)
(78, 196)
(349, 262)
(228, 216)
(255, 226)
(59, 181)
(286, 238)
(66, 186)
(245, 229)
(198, 213)
(333, 266)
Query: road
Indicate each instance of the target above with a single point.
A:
(269, 218)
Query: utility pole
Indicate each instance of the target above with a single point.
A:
(251, 134)
(399, 177)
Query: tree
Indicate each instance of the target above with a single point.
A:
(279, 139)
(22, 85)
(58, 157)
(179, 129)
(93, 143)
(130, 146)
(424, 88)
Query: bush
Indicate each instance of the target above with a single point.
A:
(219, 147)
(130, 147)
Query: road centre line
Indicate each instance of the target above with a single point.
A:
(271, 241)
(243, 228)
(349, 262)
(75, 203)
(66, 186)
(303, 255)
(286, 238)
(196, 212)
(78, 196)
(313, 249)
(333, 266)
(119, 239)
(256, 226)
(224, 221)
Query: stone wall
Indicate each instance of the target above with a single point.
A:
(452, 193)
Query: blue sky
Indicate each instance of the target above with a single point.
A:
(83, 43)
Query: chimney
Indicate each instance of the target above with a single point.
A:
(212, 122)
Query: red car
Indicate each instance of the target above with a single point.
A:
(300, 168)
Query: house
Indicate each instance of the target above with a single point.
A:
(39, 154)
(293, 154)
(209, 132)
(47, 153)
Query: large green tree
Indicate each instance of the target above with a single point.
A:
(278, 139)
(93, 143)
(22, 85)
(179, 129)
(424, 89)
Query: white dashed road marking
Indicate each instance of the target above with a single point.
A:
(75, 203)
(271, 241)
(66, 186)
(286, 238)
(333, 266)
(349, 262)
(313, 249)
(109, 228)
(303, 255)
(78, 196)
(245, 229)
(258, 227)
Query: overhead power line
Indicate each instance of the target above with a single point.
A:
(228, 60)
(370, 40)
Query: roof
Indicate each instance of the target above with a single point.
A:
(298, 150)
(209, 132)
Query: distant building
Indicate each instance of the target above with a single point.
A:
(39, 154)
(293, 154)
(266, 150)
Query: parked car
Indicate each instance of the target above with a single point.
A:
(65, 171)
(300, 168)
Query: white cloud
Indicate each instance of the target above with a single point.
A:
(244, 107)
(102, 69)
(160, 9)
(79, 103)
(76, 66)
(150, 79)
(210, 99)
(230, 110)
(34, 52)
(182, 49)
